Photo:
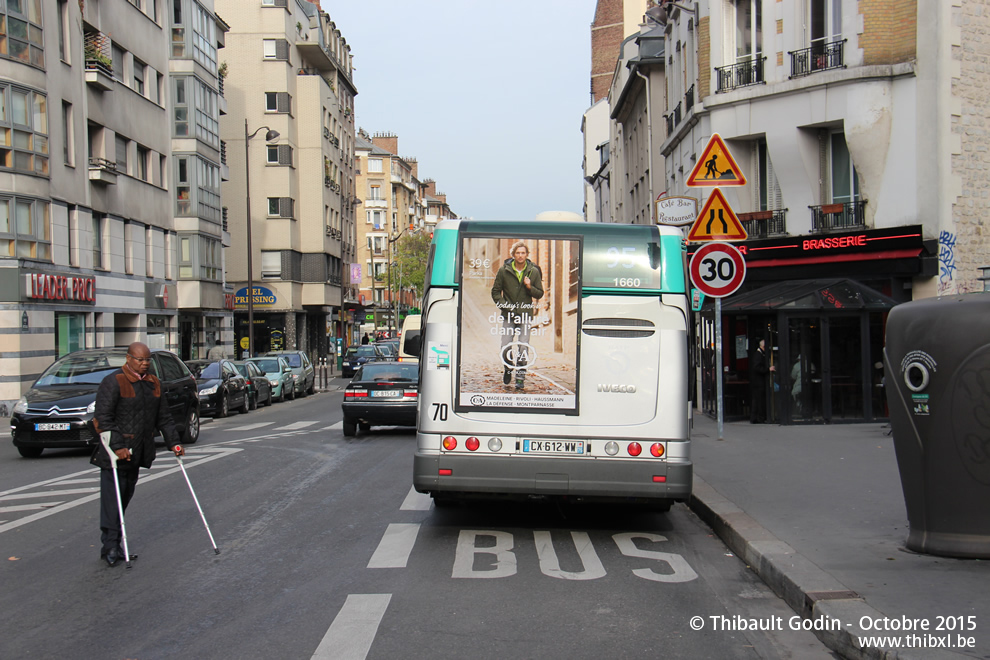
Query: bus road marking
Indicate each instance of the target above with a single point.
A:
(354, 628)
(395, 547)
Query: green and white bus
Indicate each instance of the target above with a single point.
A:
(554, 363)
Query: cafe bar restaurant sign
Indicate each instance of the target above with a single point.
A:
(263, 297)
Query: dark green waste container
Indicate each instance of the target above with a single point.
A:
(937, 380)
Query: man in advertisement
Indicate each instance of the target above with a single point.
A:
(517, 284)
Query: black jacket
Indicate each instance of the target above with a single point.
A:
(131, 409)
(508, 292)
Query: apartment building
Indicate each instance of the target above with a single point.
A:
(858, 126)
(291, 73)
(87, 234)
(391, 204)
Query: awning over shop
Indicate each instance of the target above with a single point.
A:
(828, 294)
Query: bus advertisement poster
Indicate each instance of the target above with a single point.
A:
(519, 313)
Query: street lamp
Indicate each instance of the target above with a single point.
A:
(269, 137)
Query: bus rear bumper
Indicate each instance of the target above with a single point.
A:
(591, 479)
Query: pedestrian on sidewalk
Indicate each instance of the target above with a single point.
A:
(130, 406)
(759, 368)
(217, 352)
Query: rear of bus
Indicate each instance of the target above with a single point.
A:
(600, 412)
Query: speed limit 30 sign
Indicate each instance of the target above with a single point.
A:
(718, 269)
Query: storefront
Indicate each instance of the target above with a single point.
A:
(821, 304)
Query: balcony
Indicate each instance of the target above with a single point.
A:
(224, 168)
(764, 224)
(222, 106)
(331, 184)
(689, 100)
(98, 61)
(829, 217)
(102, 171)
(820, 57)
(742, 74)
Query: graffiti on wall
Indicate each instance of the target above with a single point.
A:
(946, 260)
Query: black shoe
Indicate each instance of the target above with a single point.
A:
(507, 376)
(113, 556)
(520, 384)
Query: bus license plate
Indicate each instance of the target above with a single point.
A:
(553, 446)
(52, 426)
(390, 393)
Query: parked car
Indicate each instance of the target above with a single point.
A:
(56, 412)
(390, 347)
(358, 355)
(302, 370)
(259, 387)
(221, 387)
(381, 394)
(279, 375)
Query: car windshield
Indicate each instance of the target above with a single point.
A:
(81, 369)
(389, 371)
(269, 366)
(366, 350)
(205, 370)
(293, 359)
(242, 369)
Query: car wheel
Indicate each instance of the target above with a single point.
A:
(292, 392)
(281, 394)
(223, 408)
(34, 452)
(270, 397)
(364, 426)
(191, 434)
(350, 428)
(246, 406)
(312, 387)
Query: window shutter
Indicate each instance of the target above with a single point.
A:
(285, 207)
(283, 102)
(271, 265)
(284, 155)
(775, 198)
(282, 49)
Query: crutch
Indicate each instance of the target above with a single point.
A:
(205, 524)
(105, 441)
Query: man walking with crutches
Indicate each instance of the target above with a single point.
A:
(130, 405)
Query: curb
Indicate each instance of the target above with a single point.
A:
(811, 592)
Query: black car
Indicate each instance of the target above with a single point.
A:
(259, 387)
(358, 355)
(381, 394)
(56, 412)
(222, 388)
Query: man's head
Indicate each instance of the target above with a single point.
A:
(520, 253)
(138, 357)
(763, 344)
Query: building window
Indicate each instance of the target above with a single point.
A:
(845, 181)
(141, 166)
(22, 37)
(185, 257)
(271, 265)
(139, 76)
(826, 22)
(278, 102)
(97, 240)
(209, 259)
(23, 130)
(178, 30)
(63, 34)
(279, 154)
(770, 197)
(183, 190)
(70, 333)
(25, 229)
(275, 49)
(207, 114)
(374, 193)
(122, 144)
(374, 165)
(68, 135)
(118, 62)
(208, 190)
(204, 38)
(181, 123)
(281, 207)
(749, 29)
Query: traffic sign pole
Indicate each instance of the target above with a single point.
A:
(718, 366)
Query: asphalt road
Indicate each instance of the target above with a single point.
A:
(327, 552)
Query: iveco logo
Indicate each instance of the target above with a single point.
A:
(627, 389)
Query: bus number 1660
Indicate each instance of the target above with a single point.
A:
(626, 281)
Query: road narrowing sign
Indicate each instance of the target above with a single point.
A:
(717, 222)
(716, 167)
(717, 269)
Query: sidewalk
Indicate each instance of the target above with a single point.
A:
(818, 513)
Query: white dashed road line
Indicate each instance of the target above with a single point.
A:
(353, 630)
(395, 547)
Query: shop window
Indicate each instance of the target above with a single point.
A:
(70, 333)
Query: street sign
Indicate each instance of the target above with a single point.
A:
(716, 167)
(717, 269)
(676, 211)
(717, 222)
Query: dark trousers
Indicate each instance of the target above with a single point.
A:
(109, 517)
(758, 405)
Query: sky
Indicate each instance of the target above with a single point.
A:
(487, 96)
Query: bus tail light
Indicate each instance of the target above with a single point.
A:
(611, 447)
(472, 444)
(450, 443)
(657, 449)
(659, 479)
(446, 472)
(494, 444)
(634, 448)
